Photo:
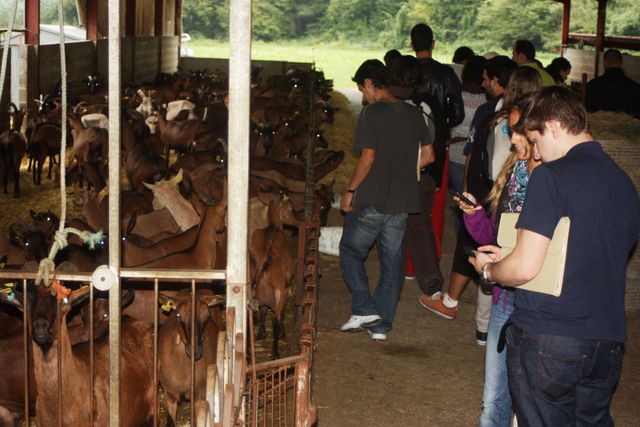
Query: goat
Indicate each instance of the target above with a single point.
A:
(90, 147)
(141, 163)
(272, 268)
(44, 141)
(174, 347)
(137, 388)
(13, 147)
(166, 194)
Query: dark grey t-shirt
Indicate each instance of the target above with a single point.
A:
(396, 131)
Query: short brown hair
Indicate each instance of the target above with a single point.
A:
(555, 103)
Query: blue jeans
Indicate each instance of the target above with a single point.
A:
(561, 381)
(361, 230)
(496, 401)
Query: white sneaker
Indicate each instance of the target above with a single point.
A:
(357, 323)
(436, 295)
(377, 336)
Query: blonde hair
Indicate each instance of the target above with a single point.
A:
(494, 195)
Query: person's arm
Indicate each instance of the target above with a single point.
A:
(465, 188)
(362, 169)
(455, 107)
(427, 155)
(520, 266)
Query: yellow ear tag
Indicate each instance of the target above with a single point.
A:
(168, 306)
(11, 122)
(285, 197)
(218, 158)
(9, 285)
(3, 265)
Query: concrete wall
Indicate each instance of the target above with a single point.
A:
(582, 61)
(6, 91)
(269, 68)
(81, 62)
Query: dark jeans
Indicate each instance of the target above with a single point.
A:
(361, 230)
(420, 239)
(559, 381)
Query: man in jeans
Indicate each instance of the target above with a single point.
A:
(565, 353)
(395, 143)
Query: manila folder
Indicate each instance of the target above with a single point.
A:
(549, 279)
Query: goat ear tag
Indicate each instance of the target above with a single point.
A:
(168, 306)
(285, 197)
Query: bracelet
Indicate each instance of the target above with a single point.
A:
(484, 275)
(350, 190)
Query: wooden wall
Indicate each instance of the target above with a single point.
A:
(269, 68)
(582, 61)
(145, 17)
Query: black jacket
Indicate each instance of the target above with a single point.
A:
(441, 82)
(614, 91)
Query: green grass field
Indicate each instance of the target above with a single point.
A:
(338, 62)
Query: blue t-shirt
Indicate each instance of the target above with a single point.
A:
(587, 186)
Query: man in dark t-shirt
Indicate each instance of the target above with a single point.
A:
(395, 143)
(575, 339)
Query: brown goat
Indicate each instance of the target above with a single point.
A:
(141, 163)
(174, 347)
(44, 142)
(137, 386)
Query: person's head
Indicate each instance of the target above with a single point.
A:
(612, 58)
(520, 145)
(462, 55)
(422, 38)
(496, 74)
(404, 73)
(391, 56)
(371, 75)
(559, 69)
(523, 52)
(523, 80)
(551, 119)
(472, 71)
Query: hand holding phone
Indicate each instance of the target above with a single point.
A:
(469, 251)
(465, 199)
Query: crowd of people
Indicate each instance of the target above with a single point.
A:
(505, 136)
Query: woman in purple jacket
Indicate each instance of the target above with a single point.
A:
(507, 195)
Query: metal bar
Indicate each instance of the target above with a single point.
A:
(619, 42)
(92, 20)
(130, 19)
(302, 249)
(158, 18)
(265, 366)
(238, 181)
(177, 27)
(310, 148)
(566, 18)
(27, 349)
(193, 353)
(156, 401)
(32, 21)
(174, 274)
(59, 345)
(600, 25)
(115, 77)
(91, 354)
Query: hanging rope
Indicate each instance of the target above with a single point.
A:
(5, 51)
(47, 266)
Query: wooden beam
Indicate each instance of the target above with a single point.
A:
(600, 28)
(158, 27)
(130, 18)
(92, 20)
(616, 42)
(32, 21)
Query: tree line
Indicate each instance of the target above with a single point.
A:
(480, 24)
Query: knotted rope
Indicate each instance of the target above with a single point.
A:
(5, 51)
(47, 266)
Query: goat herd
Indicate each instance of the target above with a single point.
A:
(174, 148)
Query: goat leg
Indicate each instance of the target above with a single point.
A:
(275, 354)
(262, 331)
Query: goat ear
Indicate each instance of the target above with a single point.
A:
(266, 198)
(149, 186)
(127, 298)
(213, 300)
(79, 296)
(166, 303)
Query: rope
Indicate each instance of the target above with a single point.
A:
(47, 266)
(5, 51)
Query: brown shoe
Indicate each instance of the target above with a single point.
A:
(437, 306)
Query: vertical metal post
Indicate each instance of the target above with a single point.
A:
(130, 19)
(92, 20)
(114, 209)
(309, 194)
(602, 16)
(32, 22)
(158, 18)
(238, 185)
(566, 17)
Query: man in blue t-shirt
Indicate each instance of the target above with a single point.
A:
(565, 353)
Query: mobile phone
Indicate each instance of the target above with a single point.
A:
(465, 199)
(469, 251)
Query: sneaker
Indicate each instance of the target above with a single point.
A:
(437, 306)
(407, 277)
(357, 323)
(481, 338)
(377, 336)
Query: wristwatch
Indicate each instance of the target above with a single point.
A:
(351, 190)
(484, 274)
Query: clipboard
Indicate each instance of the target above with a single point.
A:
(550, 278)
